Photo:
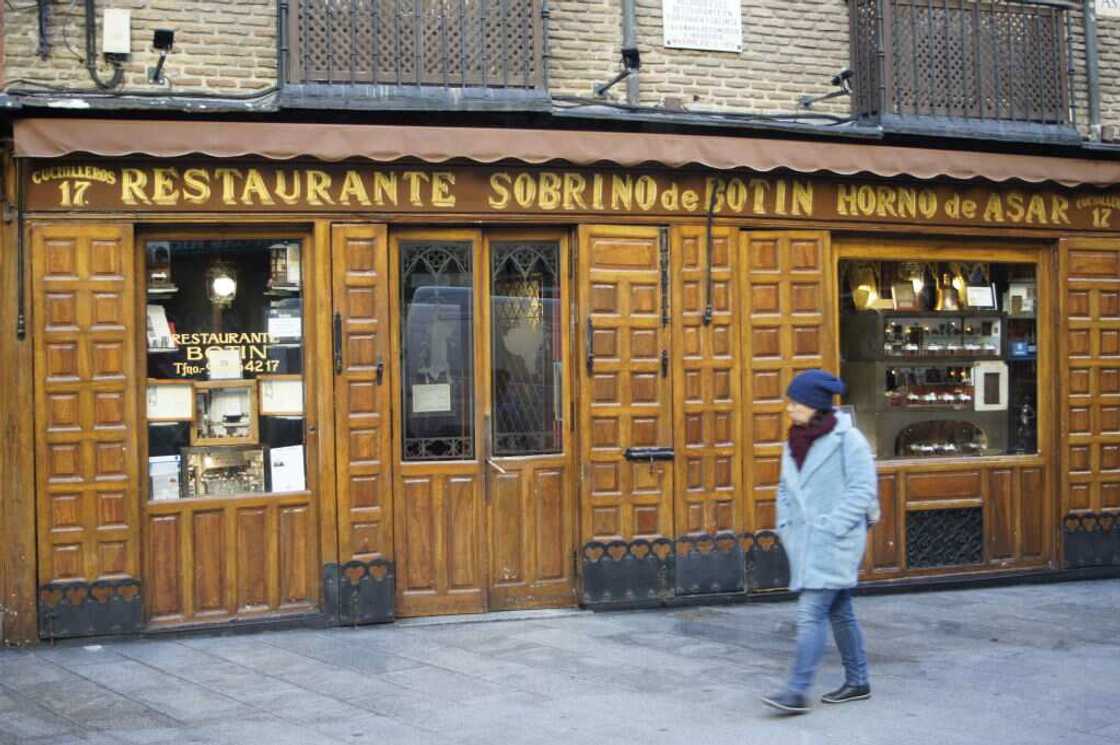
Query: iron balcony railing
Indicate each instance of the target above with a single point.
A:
(991, 60)
(444, 43)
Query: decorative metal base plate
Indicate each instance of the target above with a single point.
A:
(360, 592)
(68, 609)
(1091, 539)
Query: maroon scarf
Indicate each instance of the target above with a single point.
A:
(801, 438)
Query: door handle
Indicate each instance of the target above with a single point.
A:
(337, 343)
(379, 365)
(590, 349)
(490, 462)
(664, 363)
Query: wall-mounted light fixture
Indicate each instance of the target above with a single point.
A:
(162, 41)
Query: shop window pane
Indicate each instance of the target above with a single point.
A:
(940, 358)
(225, 401)
(527, 350)
(437, 350)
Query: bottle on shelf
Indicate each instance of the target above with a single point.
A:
(928, 295)
(947, 296)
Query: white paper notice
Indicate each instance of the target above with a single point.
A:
(287, 468)
(164, 473)
(285, 327)
(431, 398)
(980, 297)
(715, 25)
(282, 397)
(170, 402)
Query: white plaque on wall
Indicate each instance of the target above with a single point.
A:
(714, 25)
(1108, 8)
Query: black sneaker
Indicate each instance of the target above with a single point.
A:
(788, 702)
(846, 693)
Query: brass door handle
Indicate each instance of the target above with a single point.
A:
(496, 467)
(379, 365)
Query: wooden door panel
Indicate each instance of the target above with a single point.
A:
(1032, 513)
(788, 314)
(297, 566)
(208, 549)
(707, 399)
(252, 559)
(363, 445)
(625, 392)
(217, 559)
(439, 567)
(531, 535)
(164, 597)
(1089, 308)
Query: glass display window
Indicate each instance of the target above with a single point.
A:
(224, 337)
(940, 358)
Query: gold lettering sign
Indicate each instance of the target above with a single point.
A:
(252, 348)
(192, 187)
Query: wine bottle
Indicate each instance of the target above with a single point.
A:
(928, 294)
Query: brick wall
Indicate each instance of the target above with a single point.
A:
(1108, 40)
(790, 48)
(221, 47)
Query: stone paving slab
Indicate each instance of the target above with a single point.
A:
(1020, 665)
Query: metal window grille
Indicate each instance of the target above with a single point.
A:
(447, 43)
(1006, 60)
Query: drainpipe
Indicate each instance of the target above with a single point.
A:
(1092, 63)
(629, 41)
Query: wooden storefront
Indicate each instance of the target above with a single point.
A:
(630, 456)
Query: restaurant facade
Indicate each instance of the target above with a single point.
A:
(351, 373)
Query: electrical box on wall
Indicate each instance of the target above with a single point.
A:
(116, 32)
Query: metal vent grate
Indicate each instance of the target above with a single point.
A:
(939, 538)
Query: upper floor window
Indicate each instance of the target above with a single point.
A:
(443, 43)
(1005, 60)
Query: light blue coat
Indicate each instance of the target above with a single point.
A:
(825, 507)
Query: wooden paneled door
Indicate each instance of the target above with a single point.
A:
(528, 434)
(483, 518)
(1089, 404)
(439, 509)
(362, 391)
(625, 384)
(84, 290)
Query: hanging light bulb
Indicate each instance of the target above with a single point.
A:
(221, 284)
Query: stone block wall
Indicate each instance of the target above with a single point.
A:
(221, 47)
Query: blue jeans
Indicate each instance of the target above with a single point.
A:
(813, 607)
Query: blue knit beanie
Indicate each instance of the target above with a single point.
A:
(815, 388)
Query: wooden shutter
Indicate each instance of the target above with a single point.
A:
(788, 328)
(706, 398)
(85, 399)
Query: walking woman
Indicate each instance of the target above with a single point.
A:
(826, 502)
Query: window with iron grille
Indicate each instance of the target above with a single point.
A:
(992, 60)
(444, 43)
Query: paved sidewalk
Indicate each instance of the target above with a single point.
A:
(1017, 665)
